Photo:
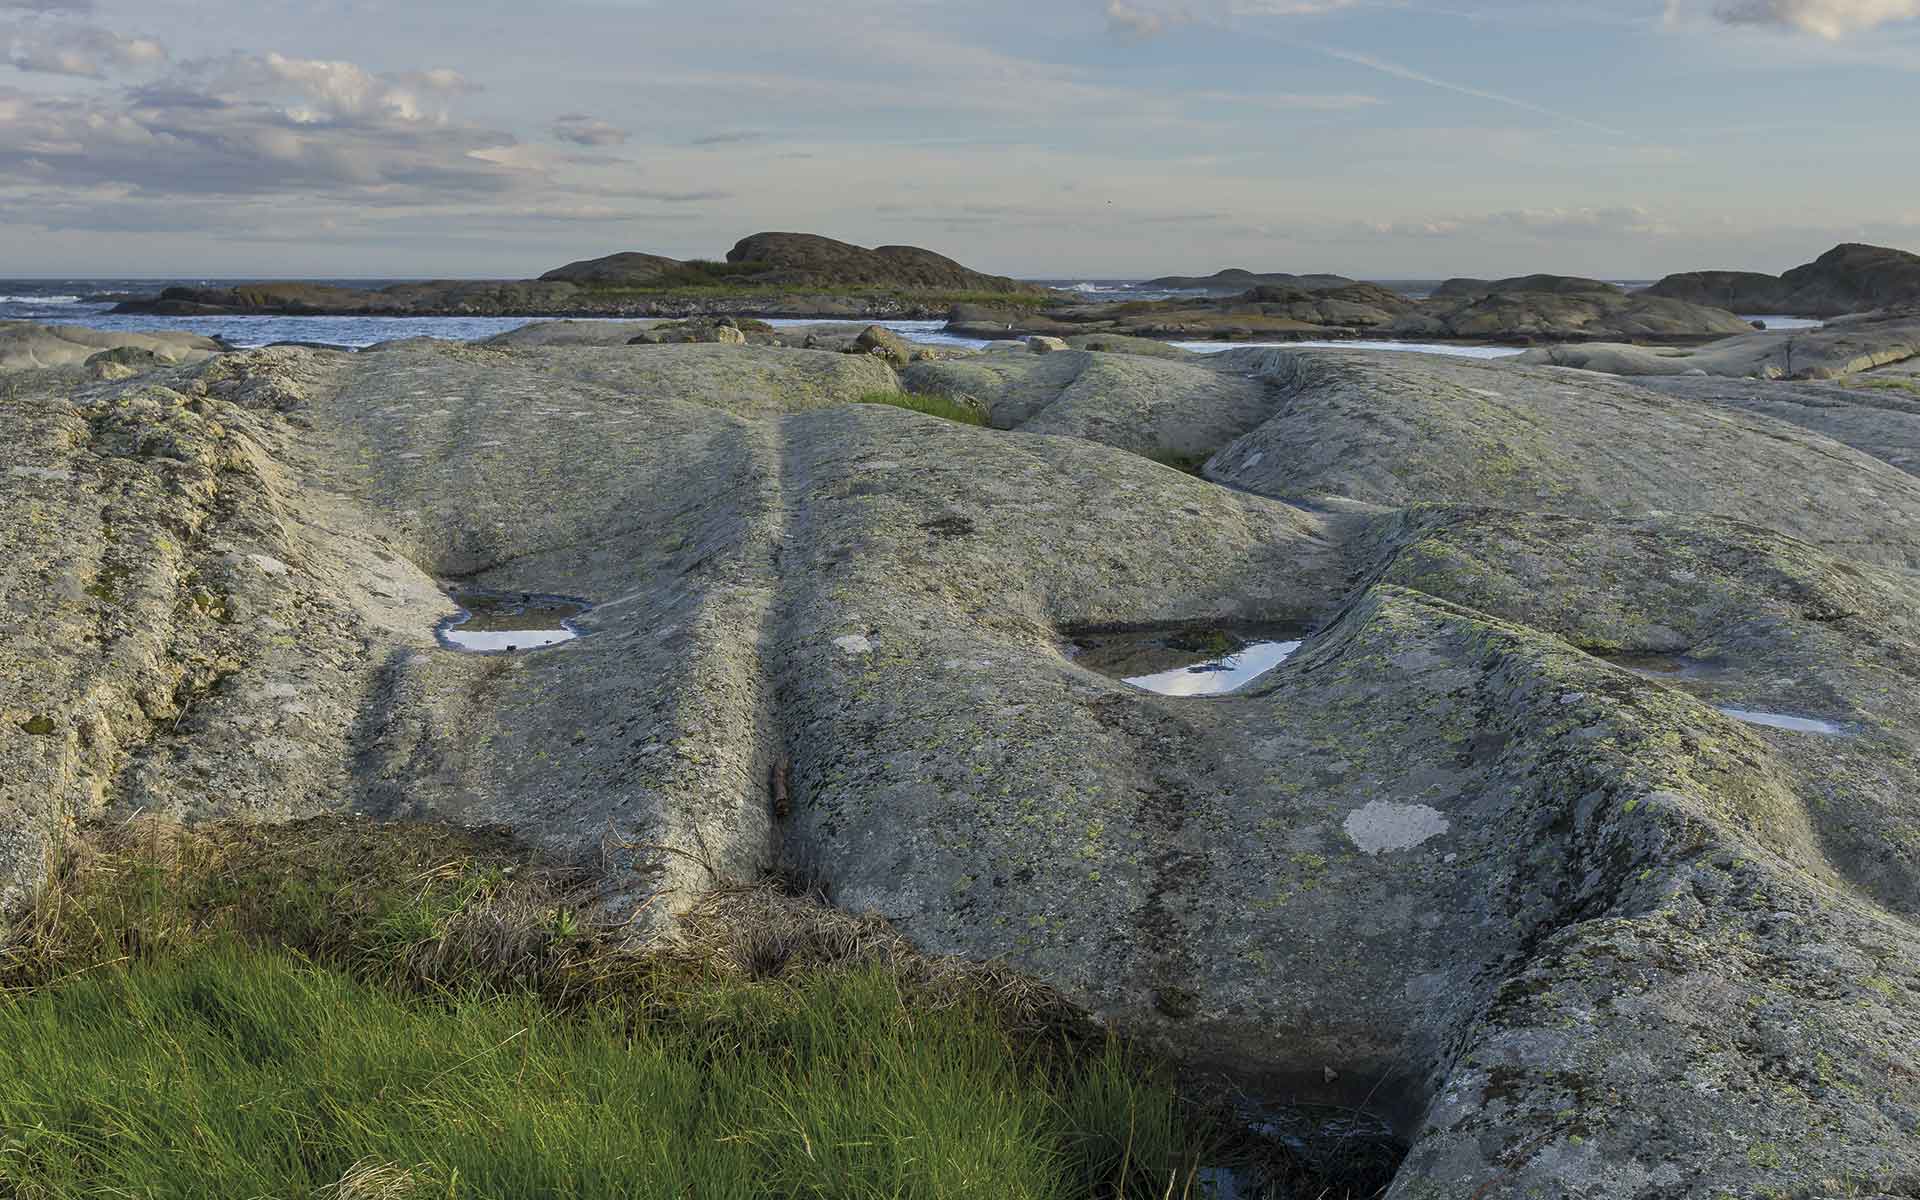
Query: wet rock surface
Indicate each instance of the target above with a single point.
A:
(1574, 930)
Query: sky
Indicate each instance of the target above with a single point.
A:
(1043, 138)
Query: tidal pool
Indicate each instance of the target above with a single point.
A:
(1212, 662)
(500, 622)
(1783, 721)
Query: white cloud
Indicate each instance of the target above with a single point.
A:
(1147, 18)
(82, 50)
(1134, 21)
(1830, 19)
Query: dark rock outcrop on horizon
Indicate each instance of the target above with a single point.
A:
(1259, 312)
(809, 260)
(1505, 853)
(1849, 278)
(767, 274)
(629, 268)
(1562, 309)
(1513, 312)
(1235, 279)
(1547, 284)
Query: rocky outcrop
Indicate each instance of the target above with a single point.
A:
(26, 346)
(630, 269)
(1504, 311)
(1839, 349)
(1850, 278)
(766, 275)
(1235, 280)
(1559, 285)
(1518, 315)
(1875, 414)
(1735, 291)
(1500, 853)
(809, 260)
(1259, 313)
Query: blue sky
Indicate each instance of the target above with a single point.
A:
(1621, 138)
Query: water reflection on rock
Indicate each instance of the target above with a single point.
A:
(500, 622)
(1213, 662)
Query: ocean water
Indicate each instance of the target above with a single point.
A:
(89, 301)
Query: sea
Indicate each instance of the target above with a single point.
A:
(90, 302)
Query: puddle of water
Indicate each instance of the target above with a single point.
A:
(1668, 667)
(1783, 721)
(1186, 662)
(500, 622)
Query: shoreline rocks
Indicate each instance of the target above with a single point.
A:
(1850, 278)
(1531, 309)
(27, 346)
(1843, 347)
(765, 275)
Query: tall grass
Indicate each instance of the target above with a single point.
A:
(344, 1010)
(239, 1071)
(932, 404)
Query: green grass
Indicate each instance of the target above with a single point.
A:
(238, 1071)
(1188, 464)
(345, 1010)
(421, 1012)
(932, 404)
(1911, 386)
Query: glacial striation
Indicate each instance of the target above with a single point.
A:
(1460, 859)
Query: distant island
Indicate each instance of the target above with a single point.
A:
(800, 275)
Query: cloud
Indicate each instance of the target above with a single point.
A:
(47, 6)
(1399, 72)
(1132, 21)
(81, 50)
(1546, 225)
(584, 130)
(336, 92)
(1149, 18)
(729, 137)
(1831, 19)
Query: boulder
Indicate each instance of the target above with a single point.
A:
(672, 333)
(1045, 345)
(27, 346)
(884, 343)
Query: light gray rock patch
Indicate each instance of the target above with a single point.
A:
(1380, 827)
